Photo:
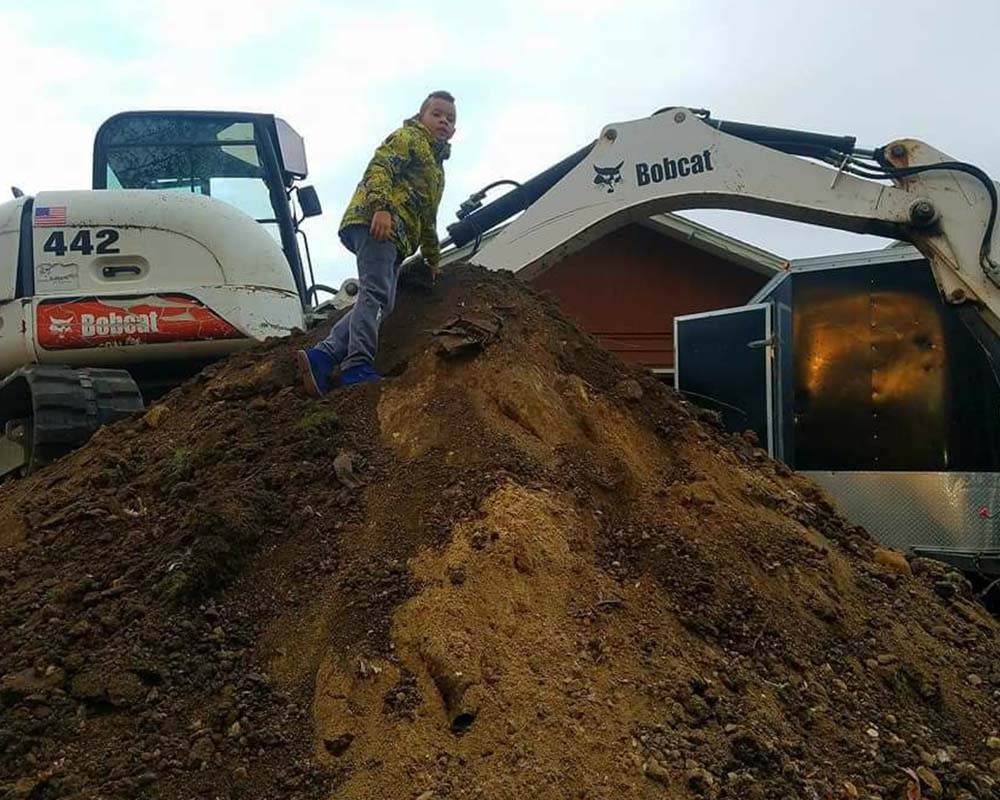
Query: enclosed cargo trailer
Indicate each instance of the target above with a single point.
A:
(853, 371)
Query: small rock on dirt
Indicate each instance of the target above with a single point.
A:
(88, 686)
(892, 559)
(343, 466)
(700, 781)
(929, 781)
(655, 771)
(945, 590)
(203, 749)
(629, 389)
(28, 682)
(155, 416)
(124, 689)
(337, 745)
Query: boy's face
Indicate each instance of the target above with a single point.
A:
(439, 119)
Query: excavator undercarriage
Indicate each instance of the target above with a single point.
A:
(47, 411)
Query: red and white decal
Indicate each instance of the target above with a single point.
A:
(119, 322)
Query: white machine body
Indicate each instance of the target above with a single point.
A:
(123, 277)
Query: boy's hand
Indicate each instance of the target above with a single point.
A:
(418, 274)
(381, 228)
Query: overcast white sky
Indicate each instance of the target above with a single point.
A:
(535, 80)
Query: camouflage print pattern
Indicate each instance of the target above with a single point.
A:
(406, 178)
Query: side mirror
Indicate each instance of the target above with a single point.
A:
(309, 201)
(16, 192)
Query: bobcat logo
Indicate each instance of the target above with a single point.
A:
(608, 176)
(60, 326)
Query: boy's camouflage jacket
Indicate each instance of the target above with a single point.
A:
(406, 178)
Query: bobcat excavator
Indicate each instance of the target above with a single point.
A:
(188, 250)
(106, 294)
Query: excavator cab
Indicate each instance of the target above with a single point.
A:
(251, 161)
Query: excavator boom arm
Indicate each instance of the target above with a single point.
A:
(680, 159)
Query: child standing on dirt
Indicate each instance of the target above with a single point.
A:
(392, 212)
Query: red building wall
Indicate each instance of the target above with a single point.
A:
(627, 287)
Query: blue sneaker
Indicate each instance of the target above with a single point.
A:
(315, 367)
(363, 373)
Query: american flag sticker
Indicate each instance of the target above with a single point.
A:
(50, 215)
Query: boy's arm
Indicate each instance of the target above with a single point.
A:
(383, 170)
(430, 247)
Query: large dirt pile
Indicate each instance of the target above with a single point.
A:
(525, 571)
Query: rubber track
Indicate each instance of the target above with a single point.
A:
(67, 405)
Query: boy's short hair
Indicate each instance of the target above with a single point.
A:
(441, 94)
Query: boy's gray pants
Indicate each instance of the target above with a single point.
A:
(353, 341)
